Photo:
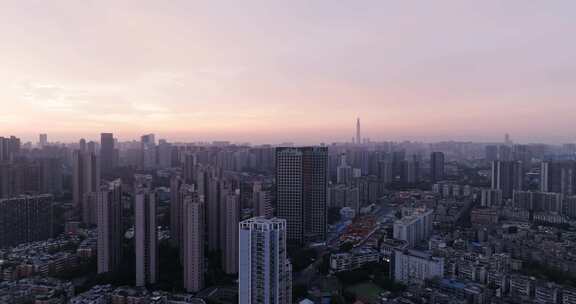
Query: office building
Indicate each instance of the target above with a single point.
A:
(110, 229)
(145, 233)
(265, 272)
(25, 219)
(193, 239)
(301, 192)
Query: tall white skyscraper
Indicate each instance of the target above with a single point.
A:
(265, 275)
(145, 233)
(109, 221)
(193, 239)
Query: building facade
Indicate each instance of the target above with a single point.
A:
(265, 275)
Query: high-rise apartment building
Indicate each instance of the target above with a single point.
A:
(176, 209)
(507, 176)
(265, 272)
(148, 149)
(491, 153)
(301, 191)
(110, 229)
(164, 154)
(437, 169)
(415, 267)
(193, 239)
(25, 219)
(107, 153)
(414, 227)
(410, 173)
(558, 177)
(9, 147)
(145, 233)
(538, 201)
(231, 219)
(85, 179)
(212, 200)
(344, 172)
(262, 201)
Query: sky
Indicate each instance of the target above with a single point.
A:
(289, 71)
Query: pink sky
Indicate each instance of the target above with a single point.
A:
(302, 71)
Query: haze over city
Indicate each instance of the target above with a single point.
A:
(290, 71)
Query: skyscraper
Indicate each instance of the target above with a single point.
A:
(9, 147)
(410, 170)
(176, 209)
(85, 180)
(193, 239)
(231, 220)
(25, 219)
(42, 140)
(107, 152)
(164, 154)
(110, 230)
(301, 189)
(507, 176)
(437, 170)
(262, 201)
(148, 149)
(358, 135)
(145, 232)
(344, 171)
(558, 177)
(265, 271)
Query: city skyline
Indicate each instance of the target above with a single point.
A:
(263, 72)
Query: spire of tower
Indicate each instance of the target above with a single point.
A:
(358, 136)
